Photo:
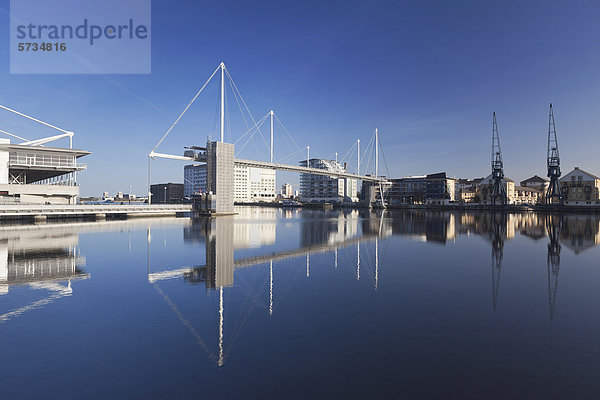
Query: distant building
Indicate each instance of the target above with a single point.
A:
(536, 182)
(194, 179)
(408, 190)
(580, 188)
(527, 195)
(167, 193)
(38, 174)
(466, 189)
(423, 189)
(439, 189)
(484, 189)
(372, 192)
(323, 188)
(467, 195)
(249, 184)
(286, 190)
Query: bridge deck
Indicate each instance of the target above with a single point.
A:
(287, 167)
(305, 170)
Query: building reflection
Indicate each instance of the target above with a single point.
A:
(328, 231)
(319, 233)
(43, 258)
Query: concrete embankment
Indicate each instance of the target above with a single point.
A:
(43, 212)
(451, 207)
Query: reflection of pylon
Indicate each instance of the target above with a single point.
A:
(553, 226)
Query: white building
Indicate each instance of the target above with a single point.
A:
(250, 184)
(194, 179)
(37, 174)
(286, 190)
(322, 188)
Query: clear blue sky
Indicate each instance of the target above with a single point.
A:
(428, 74)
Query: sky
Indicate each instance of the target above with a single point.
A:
(426, 74)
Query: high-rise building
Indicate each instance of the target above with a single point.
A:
(323, 188)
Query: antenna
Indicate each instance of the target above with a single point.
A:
(553, 162)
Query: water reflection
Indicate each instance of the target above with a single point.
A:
(44, 259)
(47, 257)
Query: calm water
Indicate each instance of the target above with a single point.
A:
(303, 304)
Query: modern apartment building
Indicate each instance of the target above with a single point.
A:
(249, 184)
(323, 188)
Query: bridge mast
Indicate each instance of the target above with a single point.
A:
(358, 157)
(272, 135)
(376, 153)
(222, 102)
(553, 162)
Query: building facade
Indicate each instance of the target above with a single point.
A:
(580, 188)
(249, 184)
(167, 193)
(286, 190)
(484, 190)
(527, 195)
(323, 188)
(424, 189)
(194, 179)
(38, 174)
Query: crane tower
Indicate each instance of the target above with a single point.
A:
(498, 189)
(554, 191)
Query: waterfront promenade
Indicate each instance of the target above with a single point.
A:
(97, 211)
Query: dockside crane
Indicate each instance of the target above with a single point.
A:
(498, 190)
(554, 191)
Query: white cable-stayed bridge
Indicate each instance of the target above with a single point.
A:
(221, 157)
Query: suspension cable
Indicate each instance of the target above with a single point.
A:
(13, 135)
(33, 119)
(185, 110)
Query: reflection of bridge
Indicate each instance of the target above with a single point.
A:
(261, 259)
(220, 264)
